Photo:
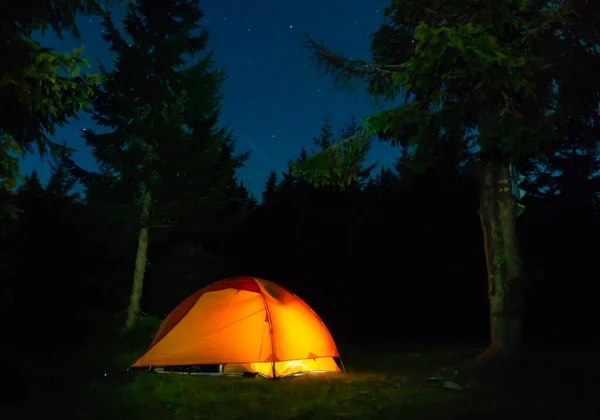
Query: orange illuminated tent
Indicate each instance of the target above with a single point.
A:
(242, 326)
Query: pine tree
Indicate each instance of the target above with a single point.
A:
(288, 180)
(572, 171)
(476, 79)
(33, 185)
(270, 188)
(303, 155)
(351, 128)
(164, 156)
(340, 163)
(62, 178)
(326, 137)
(570, 177)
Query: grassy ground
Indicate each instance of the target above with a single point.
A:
(381, 385)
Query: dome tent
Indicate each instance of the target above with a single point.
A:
(242, 326)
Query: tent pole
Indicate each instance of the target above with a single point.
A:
(343, 367)
(272, 336)
(272, 341)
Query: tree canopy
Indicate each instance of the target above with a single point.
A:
(164, 158)
(162, 113)
(40, 89)
(493, 80)
(489, 77)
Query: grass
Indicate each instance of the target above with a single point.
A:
(381, 385)
(297, 398)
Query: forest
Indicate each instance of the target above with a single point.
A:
(483, 234)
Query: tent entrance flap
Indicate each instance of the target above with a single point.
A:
(287, 368)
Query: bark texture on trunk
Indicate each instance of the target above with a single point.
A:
(504, 266)
(140, 263)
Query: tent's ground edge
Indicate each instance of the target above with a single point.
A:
(221, 372)
(238, 375)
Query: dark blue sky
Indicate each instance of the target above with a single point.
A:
(275, 97)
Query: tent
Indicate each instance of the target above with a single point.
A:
(242, 326)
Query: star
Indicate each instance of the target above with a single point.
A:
(278, 72)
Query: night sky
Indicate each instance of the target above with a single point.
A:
(275, 97)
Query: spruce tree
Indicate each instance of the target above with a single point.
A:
(326, 137)
(484, 79)
(351, 128)
(32, 185)
(340, 163)
(62, 178)
(270, 188)
(163, 156)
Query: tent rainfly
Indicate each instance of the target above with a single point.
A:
(242, 326)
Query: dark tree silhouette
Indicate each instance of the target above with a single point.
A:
(164, 157)
(326, 137)
(502, 103)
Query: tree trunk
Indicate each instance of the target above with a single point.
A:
(504, 266)
(140, 263)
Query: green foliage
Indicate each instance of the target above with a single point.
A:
(10, 153)
(40, 15)
(471, 69)
(326, 137)
(351, 128)
(369, 393)
(338, 165)
(40, 89)
(480, 75)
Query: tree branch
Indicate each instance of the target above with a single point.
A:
(344, 69)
